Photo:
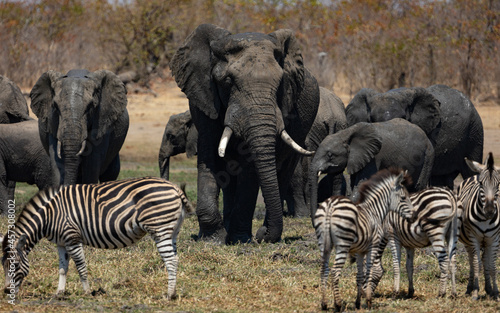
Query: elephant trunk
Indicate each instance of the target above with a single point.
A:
(165, 168)
(313, 187)
(70, 149)
(262, 142)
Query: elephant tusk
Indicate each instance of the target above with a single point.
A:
(84, 144)
(319, 173)
(226, 135)
(286, 138)
(59, 149)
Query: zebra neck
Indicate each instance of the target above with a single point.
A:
(33, 219)
(373, 201)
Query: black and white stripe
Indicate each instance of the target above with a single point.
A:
(108, 216)
(436, 225)
(356, 229)
(480, 224)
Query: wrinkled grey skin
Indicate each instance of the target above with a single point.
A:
(365, 148)
(257, 85)
(13, 109)
(22, 159)
(329, 119)
(85, 114)
(446, 115)
(13, 106)
(180, 136)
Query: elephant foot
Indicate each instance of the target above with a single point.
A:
(217, 236)
(263, 234)
(232, 239)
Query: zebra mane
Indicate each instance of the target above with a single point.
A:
(370, 185)
(490, 164)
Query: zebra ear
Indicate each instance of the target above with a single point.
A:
(475, 166)
(21, 243)
(400, 178)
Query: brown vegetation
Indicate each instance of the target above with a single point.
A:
(347, 44)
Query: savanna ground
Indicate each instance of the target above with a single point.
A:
(281, 277)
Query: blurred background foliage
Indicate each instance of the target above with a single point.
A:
(348, 45)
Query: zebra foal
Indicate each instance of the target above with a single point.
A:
(108, 216)
(356, 230)
(436, 222)
(480, 223)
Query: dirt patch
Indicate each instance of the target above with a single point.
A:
(149, 113)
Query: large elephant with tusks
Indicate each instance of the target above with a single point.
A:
(253, 103)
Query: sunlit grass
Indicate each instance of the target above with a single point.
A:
(281, 277)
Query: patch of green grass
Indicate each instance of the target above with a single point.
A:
(281, 277)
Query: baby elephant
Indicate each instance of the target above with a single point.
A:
(180, 136)
(23, 158)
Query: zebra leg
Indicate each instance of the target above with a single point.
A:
(63, 268)
(490, 256)
(410, 253)
(325, 270)
(443, 261)
(167, 248)
(452, 246)
(473, 284)
(340, 258)
(379, 270)
(76, 253)
(395, 247)
(360, 278)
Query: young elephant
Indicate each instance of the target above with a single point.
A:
(180, 136)
(365, 148)
(23, 158)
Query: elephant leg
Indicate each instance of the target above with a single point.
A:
(6, 193)
(298, 188)
(112, 171)
(245, 199)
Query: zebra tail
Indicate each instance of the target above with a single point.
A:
(188, 207)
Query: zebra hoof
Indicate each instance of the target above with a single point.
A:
(324, 306)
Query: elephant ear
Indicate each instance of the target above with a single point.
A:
(13, 101)
(425, 111)
(291, 61)
(191, 66)
(110, 98)
(42, 95)
(364, 143)
(358, 110)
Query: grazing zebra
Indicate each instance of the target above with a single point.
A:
(109, 216)
(436, 213)
(356, 229)
(480, 223)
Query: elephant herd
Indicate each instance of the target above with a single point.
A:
(257, 119)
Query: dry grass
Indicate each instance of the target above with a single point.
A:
(282, 277)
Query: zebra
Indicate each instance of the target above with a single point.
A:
(110, 215)
(436, 221)
(480, 223)
(356, 229)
